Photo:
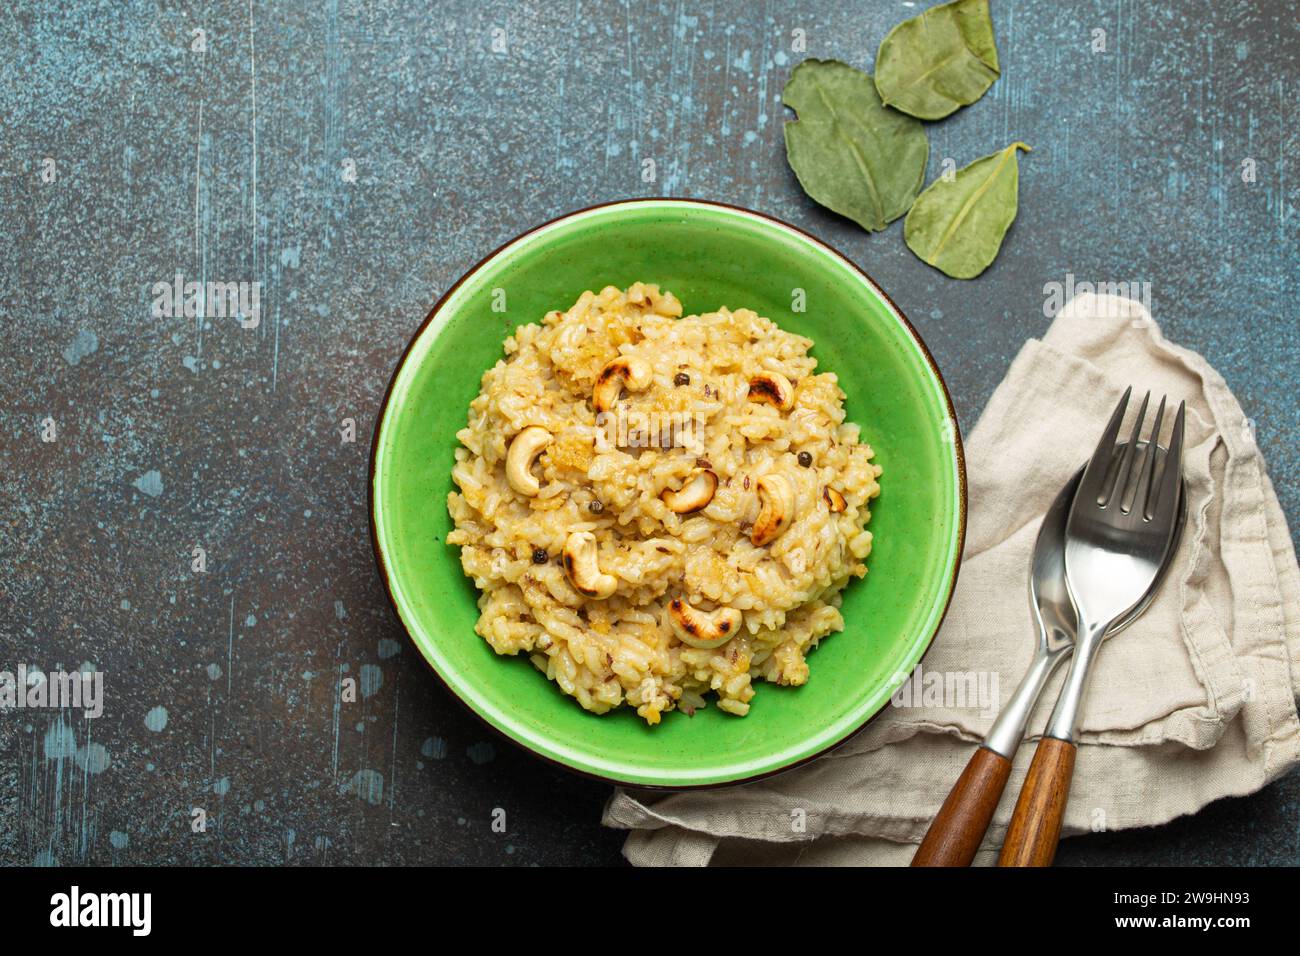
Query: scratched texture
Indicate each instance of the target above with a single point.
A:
(230, 165)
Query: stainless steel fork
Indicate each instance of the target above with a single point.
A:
(1121, 526)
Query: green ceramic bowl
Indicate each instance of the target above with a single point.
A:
(710, 256)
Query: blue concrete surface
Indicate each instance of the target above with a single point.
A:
(355, 158)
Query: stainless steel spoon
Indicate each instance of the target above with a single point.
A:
(959, 827)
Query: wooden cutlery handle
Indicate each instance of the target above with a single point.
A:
(1035, 827)
(959, 826)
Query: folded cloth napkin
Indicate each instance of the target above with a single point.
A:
(1195, 701)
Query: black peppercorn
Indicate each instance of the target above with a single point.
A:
(540, 556)
(596, 507)
(805, 459)
(681, 378)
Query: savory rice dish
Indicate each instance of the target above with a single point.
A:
(656, 508)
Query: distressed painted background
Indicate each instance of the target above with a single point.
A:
(233, 164)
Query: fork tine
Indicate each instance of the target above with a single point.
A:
(1130, 455)
(1141, 497)
(1094, 476)
(1166, 494)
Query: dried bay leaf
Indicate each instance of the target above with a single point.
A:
(957, 225)
(851, 153)
(935, 63)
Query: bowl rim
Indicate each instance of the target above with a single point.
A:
(386, 577)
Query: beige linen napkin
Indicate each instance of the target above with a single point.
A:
(1195, 701)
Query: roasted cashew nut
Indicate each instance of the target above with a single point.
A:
(834, 500)
(625, 371)
(694, 495)
(525, 448)
(774, 389)
(777, 499)
(705, 631)
(580, 565)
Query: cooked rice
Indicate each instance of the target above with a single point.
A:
(623, 649)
